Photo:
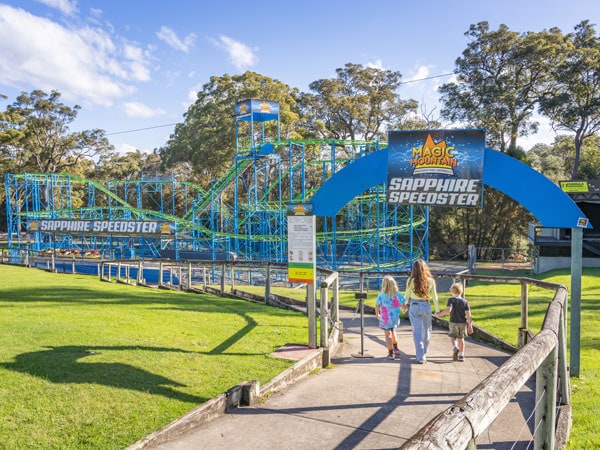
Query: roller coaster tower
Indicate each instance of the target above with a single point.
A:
(243, 213)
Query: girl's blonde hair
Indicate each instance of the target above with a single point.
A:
(389, 286)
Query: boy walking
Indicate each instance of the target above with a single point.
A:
(461, 321)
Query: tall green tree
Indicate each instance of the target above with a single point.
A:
(359, 104)
(207, 137)
(572, 99)
(129, 166)
(35, 135)
(501, 224)
(556, 160)
(498, 80)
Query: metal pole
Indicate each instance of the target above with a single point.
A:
(576, 271)
(361, 296)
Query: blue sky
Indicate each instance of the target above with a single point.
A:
(137, 64)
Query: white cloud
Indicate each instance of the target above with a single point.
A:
(240, 55)
(421, 73)
(137, 109)
(123, 149)
(545, 134)
(85, 64)
(171, 38)
(67, 7)
(378, 64)
(191, 97)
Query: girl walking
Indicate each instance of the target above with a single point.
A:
(387, 310)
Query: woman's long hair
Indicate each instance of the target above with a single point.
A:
(420, 275)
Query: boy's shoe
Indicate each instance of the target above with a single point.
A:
(461, 357)
(396, 351)
(390, 356)
(455, 354)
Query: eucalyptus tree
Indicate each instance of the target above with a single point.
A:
(556, 160)
(129, 166)
(572, 97)
(549, 159)
(360, 103)
(35, 135)
(498, 81)
(206, 139)
(499, 77)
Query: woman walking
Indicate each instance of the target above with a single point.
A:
(420, 292)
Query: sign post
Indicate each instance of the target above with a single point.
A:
(361, 296)
(576, 273)
(301, 259)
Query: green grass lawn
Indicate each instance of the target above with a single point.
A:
(86, 364)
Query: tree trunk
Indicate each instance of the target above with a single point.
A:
(578, 143)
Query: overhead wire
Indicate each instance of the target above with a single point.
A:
(175, 123)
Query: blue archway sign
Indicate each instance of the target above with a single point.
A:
(552, 207)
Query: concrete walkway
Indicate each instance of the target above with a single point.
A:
(367, 402)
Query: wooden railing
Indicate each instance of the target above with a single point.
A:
(179, 275)
(545, 355)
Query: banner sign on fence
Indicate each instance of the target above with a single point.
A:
(114, 227)
(436, 167)
(301, 243)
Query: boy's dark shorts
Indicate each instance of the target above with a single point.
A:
(457, 330)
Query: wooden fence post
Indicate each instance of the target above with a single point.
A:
(545, 399)
(563, 370)
(189, 277)
(268, 283)
(140, 273)
(524, 328)
(335, 301)
(311, 309)
(222, 280)
(324, 313)
(160, 273)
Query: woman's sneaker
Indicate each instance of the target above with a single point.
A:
(390, 356)
(396, 351)
(461, 357)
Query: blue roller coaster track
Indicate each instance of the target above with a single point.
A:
(243, 214)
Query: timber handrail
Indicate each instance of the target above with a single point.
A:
(460, 425)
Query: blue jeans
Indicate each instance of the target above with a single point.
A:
(420, 321)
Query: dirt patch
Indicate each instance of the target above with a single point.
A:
(294, 352)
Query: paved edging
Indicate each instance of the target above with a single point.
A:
(246, 393)
(243, 393)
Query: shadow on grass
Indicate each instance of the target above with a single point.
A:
(132, 295)
(62, 365)
(66, 294)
